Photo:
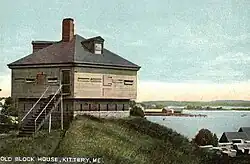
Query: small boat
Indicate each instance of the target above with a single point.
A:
(243, 115)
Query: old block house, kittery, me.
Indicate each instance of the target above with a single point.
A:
(68, 77)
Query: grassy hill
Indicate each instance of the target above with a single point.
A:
(128, 141)
(42, 145)
(125, 141)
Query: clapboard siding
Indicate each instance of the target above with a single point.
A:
(22, 89)
(107, 83)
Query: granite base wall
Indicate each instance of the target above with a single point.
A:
(103, 114)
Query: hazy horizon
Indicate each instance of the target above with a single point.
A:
(196, 51)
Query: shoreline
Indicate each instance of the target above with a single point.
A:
(173, 114)
(234, 109)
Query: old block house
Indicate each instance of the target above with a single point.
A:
(89, 77)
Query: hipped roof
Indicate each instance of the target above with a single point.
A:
(72, 52)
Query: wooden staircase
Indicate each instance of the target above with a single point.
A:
(28, 128)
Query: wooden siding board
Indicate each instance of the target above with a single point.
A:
(116, 90)
(29, 90)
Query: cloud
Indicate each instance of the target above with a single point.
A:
(91, 31)
(137, 43)
(232, 58)
(227, 67)
(15, 49)
(237, 38)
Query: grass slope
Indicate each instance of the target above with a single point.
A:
(126, 141)
(43, 144)
(122, 141)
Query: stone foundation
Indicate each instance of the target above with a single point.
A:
(103, 114)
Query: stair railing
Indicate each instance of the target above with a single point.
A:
(48, 116)
(59, 89)
(35, 104)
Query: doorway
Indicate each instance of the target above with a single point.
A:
(65, 81)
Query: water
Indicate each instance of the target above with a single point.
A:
(216, 121)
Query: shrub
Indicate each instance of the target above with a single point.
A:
(5, 119)
(8, 107)
(136, 111)
(215, 140)
(205, 137)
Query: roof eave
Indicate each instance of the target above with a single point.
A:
(108, 65)
(12, 65)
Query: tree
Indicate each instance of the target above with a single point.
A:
(5, 119)
(215, 140)
(8, 108)
(205, 137)
(190, 107)
(132, 103)
(136, 111)
(159, 106)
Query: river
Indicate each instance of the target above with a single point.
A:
(216, 121)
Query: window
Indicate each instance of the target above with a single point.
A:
(30, 80)
(94, 106)
(19, 79)
(40, 78)
(98, 48)
(128, 82)
(52, 80)
(117, 81)
(96, 80)
(86, 106)
(81, 79)
(81, 107)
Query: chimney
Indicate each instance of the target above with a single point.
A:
(38, 45)
(67, 29)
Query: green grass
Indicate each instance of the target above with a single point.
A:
(121, 141)
(133, 140)
(43, 144)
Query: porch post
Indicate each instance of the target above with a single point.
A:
(49, 123)
(61, 110)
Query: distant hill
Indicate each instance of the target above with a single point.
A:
(242, 103)
(232, 101)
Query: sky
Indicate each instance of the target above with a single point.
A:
(188, 50)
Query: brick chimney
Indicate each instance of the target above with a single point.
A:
(67, 29)
(38, 45)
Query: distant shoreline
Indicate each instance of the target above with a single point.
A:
(207, 109)
(219, 109)
(173, 114)
(239, 105)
